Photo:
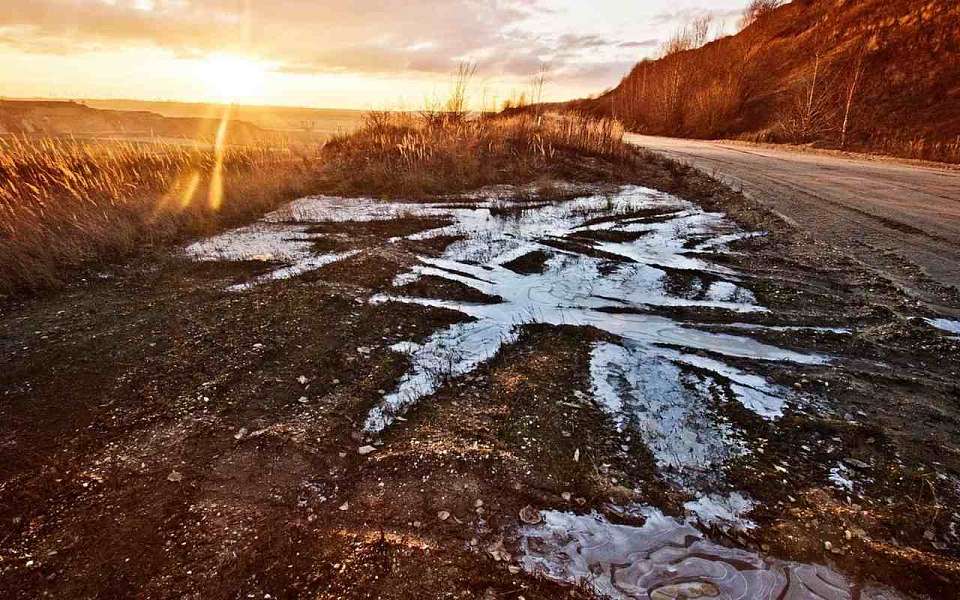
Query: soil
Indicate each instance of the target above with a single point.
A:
(163, 437)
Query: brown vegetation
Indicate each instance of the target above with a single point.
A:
(441, 152)
(68, 204)
(874, 75)
(65, 204)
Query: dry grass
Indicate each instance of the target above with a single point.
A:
(67, 204)
(440, 153)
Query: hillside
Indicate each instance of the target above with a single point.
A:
(889, 68)
(57, 118)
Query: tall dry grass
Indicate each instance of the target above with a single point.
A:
(66, 204)
(426, 154)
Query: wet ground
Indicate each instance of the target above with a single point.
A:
(621, 393)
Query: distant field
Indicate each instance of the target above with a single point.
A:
(170, 121)
(315, 120)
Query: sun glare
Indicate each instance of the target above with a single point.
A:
(230, 78)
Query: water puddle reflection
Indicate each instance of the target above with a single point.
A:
(666, 558)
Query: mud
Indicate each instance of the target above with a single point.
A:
(691, 397)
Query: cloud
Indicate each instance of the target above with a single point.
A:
(384, 38)
(305, 36)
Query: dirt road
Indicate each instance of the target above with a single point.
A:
(884, 213)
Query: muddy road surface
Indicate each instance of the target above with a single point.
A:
(620, 392)
(894, 216)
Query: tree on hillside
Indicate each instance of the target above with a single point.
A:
(757, 9)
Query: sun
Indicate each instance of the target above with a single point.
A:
(230, 78)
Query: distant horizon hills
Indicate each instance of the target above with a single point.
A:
(131, 118)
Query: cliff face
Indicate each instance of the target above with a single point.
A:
(880, 75)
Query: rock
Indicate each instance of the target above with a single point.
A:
(566, 496)
(345, 506)
(365, 450)
(478, 503)
(239, 435)
(687, 590)
(303, 400)
(302, 380)
(498, 552)
(530, 515)
(443, 515)
(175, 476)
(576, 455)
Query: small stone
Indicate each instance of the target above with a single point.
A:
(530, 515)
(175, 476)
(239, 435)
(478, 503)
(365, 450)
(302, 380)
(566, 496)
(303, 400)
(498, 552)
(827, 546)
(443, 515)
(345, 506)
(576, 455)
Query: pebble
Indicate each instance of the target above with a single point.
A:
(365, 450)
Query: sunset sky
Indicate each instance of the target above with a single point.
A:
(335, 53)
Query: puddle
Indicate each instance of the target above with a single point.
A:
(666, 558)
(286, 244)
(669, 381)
(603, 261)
(945, 325)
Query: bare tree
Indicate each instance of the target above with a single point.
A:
(700, 29)
(855, 78)
(757, 9)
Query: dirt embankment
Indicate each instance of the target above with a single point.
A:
(886, 68)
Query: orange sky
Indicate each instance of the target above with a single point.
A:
(334, 53)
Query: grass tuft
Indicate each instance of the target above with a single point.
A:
(416, 155)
